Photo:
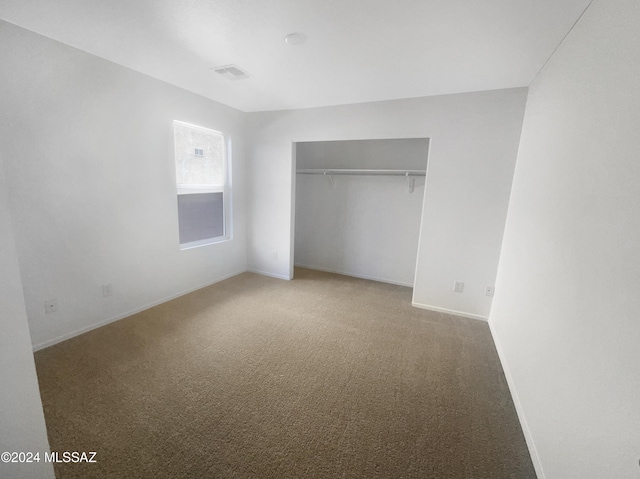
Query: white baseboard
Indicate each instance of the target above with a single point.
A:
(86, 329)
(533, 452)
(361, 276)
(267, 273)
(450, 311)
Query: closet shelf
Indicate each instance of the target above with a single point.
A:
(345, 171)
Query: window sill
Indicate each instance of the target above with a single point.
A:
(204, 242)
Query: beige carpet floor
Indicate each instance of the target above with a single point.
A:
(324, 376)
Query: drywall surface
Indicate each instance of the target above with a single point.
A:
(21, 418)
(89, 159)
(381, 154)
(565, 315)
(364, 226)
(473, 144)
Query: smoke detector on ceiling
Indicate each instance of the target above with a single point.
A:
(231, 72)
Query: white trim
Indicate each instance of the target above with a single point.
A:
(361, 276)
(533, 451)
(86, 329)
(292, 209)
(422, 220)
(198, 127)
(198, 189)
(203, 242)
(449, 311)
(267, 273)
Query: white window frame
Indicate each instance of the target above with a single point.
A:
(225, 189)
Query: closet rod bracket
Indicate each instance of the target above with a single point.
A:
(331, 182)
(411, 182)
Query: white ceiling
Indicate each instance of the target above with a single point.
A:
(356, 50)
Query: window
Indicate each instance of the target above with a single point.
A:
(201, 181)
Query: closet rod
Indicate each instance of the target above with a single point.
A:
(345, 171)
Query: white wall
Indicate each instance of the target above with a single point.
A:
(364, 226)
(406, 153)
(21, 418)
(88, 148)
(567, 308)
(474, 139)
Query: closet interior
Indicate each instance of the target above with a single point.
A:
(358, 206)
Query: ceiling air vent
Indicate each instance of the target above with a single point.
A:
(231, 72)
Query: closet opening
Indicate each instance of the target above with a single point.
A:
(358, 206)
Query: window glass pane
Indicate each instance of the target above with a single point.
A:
(200, 216)
(199, 156)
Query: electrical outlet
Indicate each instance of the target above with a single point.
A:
(50, 306)
(489, 290)
(107, 290)
(458, 286)
(274, 256)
